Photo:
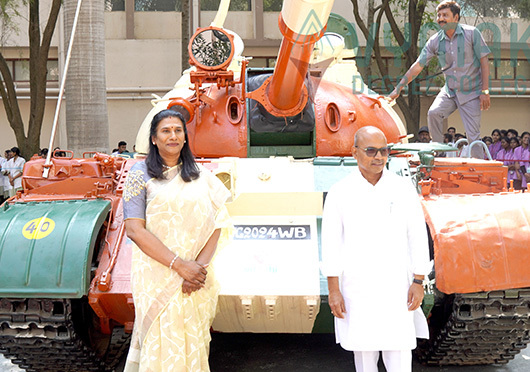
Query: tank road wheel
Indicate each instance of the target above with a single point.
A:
(47, 335)
(477, 328)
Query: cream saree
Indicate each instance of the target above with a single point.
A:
(172, 330)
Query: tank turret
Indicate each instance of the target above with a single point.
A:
(290, 111)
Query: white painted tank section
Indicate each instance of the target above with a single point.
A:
(269, 276)
(306, 17)
(281, 174)
(269, 272)
(269, 252)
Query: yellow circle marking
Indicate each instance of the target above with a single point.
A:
(38, 228)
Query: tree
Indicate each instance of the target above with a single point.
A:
(39, 46)
(414, 13)
(185, 31)
(87, 124)
(496, 8)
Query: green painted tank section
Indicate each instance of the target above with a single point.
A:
(339, 25)
(46, 248)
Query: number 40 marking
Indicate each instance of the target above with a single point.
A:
(38, 228)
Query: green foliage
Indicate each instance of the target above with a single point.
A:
(209, 53)
(157, 5)
(272, 5)
(496, 8)
(9, 10)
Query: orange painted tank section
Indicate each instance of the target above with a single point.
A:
(220, 128)
(100, 176)
(70, 176)
(287, 83)
(334, 137)
(466, 176)
(480, 241)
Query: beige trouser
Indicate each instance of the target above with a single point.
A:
(470, 113)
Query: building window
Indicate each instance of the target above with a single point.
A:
(19, 69)
(53, 70)
(175, 5)
(262, 62)
(507, 69)
(504, 69)
(157, 5)
(272, 5)
(115, 5)
(235, 5)
(522, 69)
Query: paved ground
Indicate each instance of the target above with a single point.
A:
(310, 353)
(300, 353)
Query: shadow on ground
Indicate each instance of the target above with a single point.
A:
(246, 352)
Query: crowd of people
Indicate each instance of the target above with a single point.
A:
(514, 151)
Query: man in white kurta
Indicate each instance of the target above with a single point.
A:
(374, 246)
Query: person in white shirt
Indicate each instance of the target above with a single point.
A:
(14, 166)
(375, 257)
(4, 179)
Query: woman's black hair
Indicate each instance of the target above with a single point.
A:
(189, 170)
(516, 140)
(498, 131)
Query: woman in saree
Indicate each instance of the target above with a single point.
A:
(175, 216)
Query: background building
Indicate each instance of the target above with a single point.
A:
(143, 49)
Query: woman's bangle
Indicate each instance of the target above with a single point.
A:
(173, 261)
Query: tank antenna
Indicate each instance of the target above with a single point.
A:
(47, 163)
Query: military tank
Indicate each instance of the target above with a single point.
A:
(278, 139)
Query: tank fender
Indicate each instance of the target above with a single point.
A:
(480, 241)
(46, 248)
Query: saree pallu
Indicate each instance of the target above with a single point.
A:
(172, 329)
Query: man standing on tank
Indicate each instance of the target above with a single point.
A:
(375, 257)
(463, 55)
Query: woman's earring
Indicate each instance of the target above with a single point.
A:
(184, 141)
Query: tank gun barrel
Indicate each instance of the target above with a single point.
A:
(302, 23)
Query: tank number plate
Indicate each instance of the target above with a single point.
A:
(38, 228)
(272, 232)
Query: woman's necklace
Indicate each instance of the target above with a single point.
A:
(166, 167)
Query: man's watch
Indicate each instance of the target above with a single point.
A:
(485, 91)
(417, 281)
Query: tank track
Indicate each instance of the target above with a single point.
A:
(53, 335)
(479, 328)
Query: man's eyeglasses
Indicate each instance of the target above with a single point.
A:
(372, 151)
